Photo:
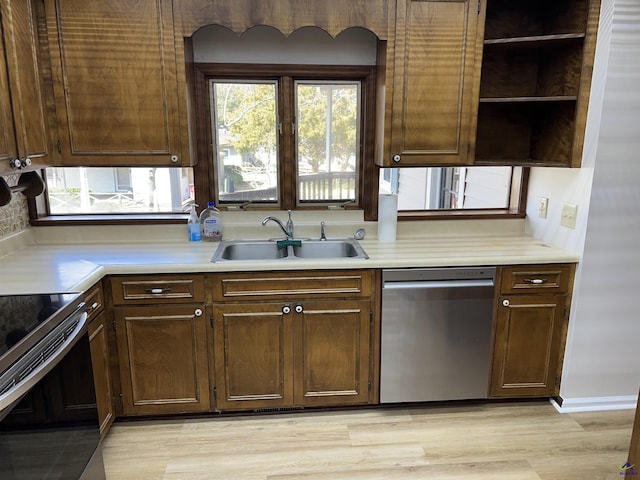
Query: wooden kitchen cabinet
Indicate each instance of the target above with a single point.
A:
(277, 347)
(115, 83)
(99, 346)
(530, 330)
(536, 77)
(24, 131)
(161, 332)
(435, 82)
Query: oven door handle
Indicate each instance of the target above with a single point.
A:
(29, 380)
(437, 284)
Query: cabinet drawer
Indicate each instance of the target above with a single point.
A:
(532, 278)
(94, 300)
(157, 289)
(263, 285)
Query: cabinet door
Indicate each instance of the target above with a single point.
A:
(436, 82)
(332, 354)
(24, 130)
(527, 341)
(8, 150)
(99, 345)
(253, 356)
(163, 359)
(114, 68)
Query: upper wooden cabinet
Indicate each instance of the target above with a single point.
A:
(115, 82)
(536, 76)
(24, 132)
(433, 72)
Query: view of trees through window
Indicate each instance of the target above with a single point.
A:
(247, 126)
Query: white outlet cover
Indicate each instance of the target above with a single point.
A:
(569, 214)
(543, 205)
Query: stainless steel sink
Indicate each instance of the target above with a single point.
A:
(249, 250)
(327, 249)
(331, 249)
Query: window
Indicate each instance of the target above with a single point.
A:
(289, 138)
(107, 190)
(454, 188)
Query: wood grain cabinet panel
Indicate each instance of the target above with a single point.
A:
(634, 448)
(530, 328)
(115, 82)
(333, 353)
(435, 83)
(312, 346)
(253, 356)
(100, 358)
(527, 345)
(24, 131)
(159, 289)
(163, 359)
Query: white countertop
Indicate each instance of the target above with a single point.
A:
(51, 259)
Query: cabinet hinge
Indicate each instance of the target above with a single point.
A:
(479, 6)
(468, 147)
(215, 393)
(211, 321)
(59, 145)
(557, 379)
(113, 322)
(564, 312)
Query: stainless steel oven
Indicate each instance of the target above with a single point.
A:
(48, 415)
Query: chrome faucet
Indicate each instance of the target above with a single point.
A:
(287, 230)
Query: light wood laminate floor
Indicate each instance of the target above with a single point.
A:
(494, 441)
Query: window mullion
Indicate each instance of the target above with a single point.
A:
(287, 144)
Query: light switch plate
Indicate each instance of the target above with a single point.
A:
(543, 205)
(569, 214)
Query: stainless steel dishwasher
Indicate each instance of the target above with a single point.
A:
(436, 333)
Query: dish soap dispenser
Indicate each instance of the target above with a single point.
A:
(193, 225)
(211, 222)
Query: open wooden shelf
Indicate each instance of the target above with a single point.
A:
(532, 69)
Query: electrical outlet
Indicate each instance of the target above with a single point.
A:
(569, 214)
(543, 205)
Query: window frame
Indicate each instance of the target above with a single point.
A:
(286, 75)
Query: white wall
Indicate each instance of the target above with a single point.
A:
(604, 332)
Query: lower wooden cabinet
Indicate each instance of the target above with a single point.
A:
(634, 448)
(162, 352)
(530, 330)
(293, 339)
(99, 346)
(275, 354)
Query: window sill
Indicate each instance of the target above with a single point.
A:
(111, 219)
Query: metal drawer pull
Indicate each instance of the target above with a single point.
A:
(505, 303)
(286, 309)
(535, 281)
(93, 307)
(299, 309)
(157, 291)
(198, 312)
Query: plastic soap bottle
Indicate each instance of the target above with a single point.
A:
(193, 225)
(211, 222)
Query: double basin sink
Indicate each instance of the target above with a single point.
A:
(230, 250)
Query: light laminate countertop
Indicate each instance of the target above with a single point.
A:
(38, 260)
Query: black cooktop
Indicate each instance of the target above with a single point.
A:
(25, 319)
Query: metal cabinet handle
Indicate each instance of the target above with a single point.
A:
(174, 159)
(535, 281)
(396, 158)
(299, 309)
(286, 309)
(157, 291)
(505, 303)
(93, 307)
(198, 312)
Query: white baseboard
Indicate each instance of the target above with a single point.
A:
(594, 404)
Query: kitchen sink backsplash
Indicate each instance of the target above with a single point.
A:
(14, 216)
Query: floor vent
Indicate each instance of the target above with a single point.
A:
(276, 410)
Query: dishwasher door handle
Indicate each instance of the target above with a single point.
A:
(437, 284)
